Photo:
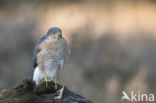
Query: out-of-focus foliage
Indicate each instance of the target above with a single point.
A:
(112, 43)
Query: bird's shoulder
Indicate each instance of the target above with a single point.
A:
(37, 50)
(43, 38)
(67, 46)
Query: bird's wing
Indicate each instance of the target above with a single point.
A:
(68, 50)
(37, 50)
(65, 56)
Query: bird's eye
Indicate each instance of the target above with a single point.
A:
(54, 32)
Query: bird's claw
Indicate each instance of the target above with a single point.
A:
(46, 81)
(56, 87)
(55, 82)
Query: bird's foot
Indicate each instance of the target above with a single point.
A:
(60, 93)
(46, 80)
(56, 86)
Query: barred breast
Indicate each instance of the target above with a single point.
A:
(51, 55)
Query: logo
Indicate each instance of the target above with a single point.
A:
(140, 97)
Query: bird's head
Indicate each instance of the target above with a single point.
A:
(54, 33)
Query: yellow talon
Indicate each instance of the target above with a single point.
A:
(55, 83)
(46, 80)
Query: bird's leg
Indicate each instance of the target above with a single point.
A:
(55, 82)
(60, 93)
(45, 79)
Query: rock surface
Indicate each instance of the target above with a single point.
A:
(28, 92)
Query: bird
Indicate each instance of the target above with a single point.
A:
(50, 55)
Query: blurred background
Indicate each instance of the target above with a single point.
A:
(113, 44)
